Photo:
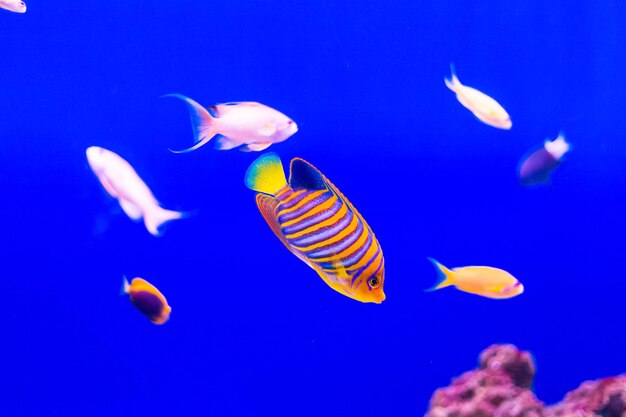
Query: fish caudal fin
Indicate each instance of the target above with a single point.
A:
(453, 82)
(266, 174)
(202, 122)
(558, 147)
(125, 286)
(444, 275)
(157, 217)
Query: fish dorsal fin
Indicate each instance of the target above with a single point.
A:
(268, 206)
(219, 110)
(304, 175)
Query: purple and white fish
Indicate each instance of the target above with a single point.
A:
(16, 6)
(249, 126)
(538, 165)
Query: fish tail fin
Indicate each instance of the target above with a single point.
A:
(125, 286)
(154, 219)
(558, 147)
(266, 174)
(202, 123)
(444, 275)
(453, 82)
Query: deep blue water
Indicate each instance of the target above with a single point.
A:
(254, 331)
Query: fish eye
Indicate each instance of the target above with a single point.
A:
(374, 282)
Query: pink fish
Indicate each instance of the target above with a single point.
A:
(248, 125)
(121, 181)
(16, 6)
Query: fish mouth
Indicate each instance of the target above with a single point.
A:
(380, 299)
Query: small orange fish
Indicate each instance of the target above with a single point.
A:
(480, 280)
(147, 299)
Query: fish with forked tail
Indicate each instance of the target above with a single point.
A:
(248, 126)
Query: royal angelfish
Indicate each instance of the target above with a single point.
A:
(320, 226)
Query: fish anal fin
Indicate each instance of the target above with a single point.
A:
(255, 147)
(223, 143)
(304, 175)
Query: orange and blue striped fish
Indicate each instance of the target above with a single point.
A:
(320, 226)
(147, 299)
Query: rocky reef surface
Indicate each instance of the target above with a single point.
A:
(501, 387)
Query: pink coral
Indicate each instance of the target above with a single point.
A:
(501, 388)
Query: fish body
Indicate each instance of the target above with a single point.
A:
(320, 226)
(147, 299)
(249, 126)
(485, 108)
(121, 181)
(538, 165)
(16, 6)
(480, 280)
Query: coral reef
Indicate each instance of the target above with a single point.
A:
(501, 387)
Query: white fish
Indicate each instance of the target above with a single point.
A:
(486, 109)
(16, 6)
(121, 181)
(249, 125)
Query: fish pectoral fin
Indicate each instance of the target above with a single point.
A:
(255, 147)
(268, 129)
(108, 187)
(130, 209)
(223, 143)
(304, 175)
(495, 288)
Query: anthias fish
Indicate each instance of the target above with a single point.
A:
(121, 181)
(16, 6)
(480, 280)
(320, 226)
(147, 299)
(249, 126)
(486, 109)
(537, 166)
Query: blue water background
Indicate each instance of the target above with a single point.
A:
(254, 332)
